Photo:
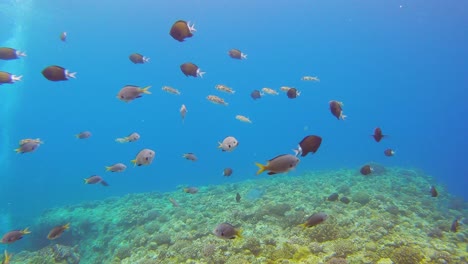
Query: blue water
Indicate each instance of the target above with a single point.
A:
(401, 68)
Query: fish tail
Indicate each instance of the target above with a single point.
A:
(134, 162)
(7, 257)
(85, 181)
(220, 144)
(296, 152)
(261, 167)
(104, 183)
(145, 89)
(108, 168)
(17, 150)
(239, 233)
(66, 226)
(25, 231)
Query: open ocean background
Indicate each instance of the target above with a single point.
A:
(399, 65)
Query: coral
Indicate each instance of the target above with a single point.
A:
(441, 257)
(361, 197)
(335, 260)
(435, 233)
(253, 245)
(343, 248)
(316, 247)
(326, 231)
(162, 238)
(406, 255)
(301, 253)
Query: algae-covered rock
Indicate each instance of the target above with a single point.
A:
(361, 197)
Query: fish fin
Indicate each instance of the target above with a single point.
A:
(220, 144)
(134, 162)
(25, 231)
(108, 168)
(85, 181)
(261, 167)
(71, 75)
(239, 233)
(104, 183)
(243, 56)
(145, 89)
(271, 173)
(17, 150)
(122, 140)
(296, 152)
(66, 226)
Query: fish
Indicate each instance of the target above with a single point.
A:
(181, 30)
(229, 144)
(14, 236)
(454, 226)
(137, 58)
(269, 91)
(237, 54)
(433, 191)
(224, 88)
(190, 69)
(216, 100)
(238, 197)
(256, 94)
(285, 88)
(315, 219)
(7, 258)
(183, 111)
(11, 54)
(279, 164)
(131, 92)
(144, 157)
(57, 231)
(333, 197)
(309, 144)
(227, 172)
(6, 77)
(336, 108)
(174, 202)
(95, 179)
(56, 73)
(118, 167)
(83, 135)
(171, 90)
(191, 190)
(292, 93)
(28, 145)
(190, 156)
(63, 36)
(366, 170)
(130, 138)
(378, 134)
(243, 119)
(345, 200)
(389, 152)
(310, 78)
(227, 231)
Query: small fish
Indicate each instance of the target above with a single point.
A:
(238, 197)
(237, 54)
(227, 172)
(63, 36)
(56, 73)
(455, 225)
(57, 231)
(310, 78)
(366, 170)
(227, 231)
(181, 30)
(190, 156)
(433, 191)
(130, 138)
(174, 202)
(7, 258)
(183, 111)
(14, 235)
(190, 69)
(269, 91)
(216, 100)
(131, 92)
(308, 144)
(333, 197)
(171, 90)
(118, 167)
(378, 134)
(256, 94)
(224, 88)
(95, 179)
(144, 157)
(137, 58)
(292, 93)
(229, 144)
(389, 152)
(285, 88)
(315, 219)
(243, 119)
(28, 145)
(191, 190)
(336, 109)
(83, 135)
(10, 54)
(6, 77)
(279, 164)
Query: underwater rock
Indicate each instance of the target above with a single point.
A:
(333, 197)
(345, 200)
(361, 197)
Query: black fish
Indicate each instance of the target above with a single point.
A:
(433, 191)
(256, 95)
(238, 197)
(454, 227)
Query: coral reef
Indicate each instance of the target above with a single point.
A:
(389, 219)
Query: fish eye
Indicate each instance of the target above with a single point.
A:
(122, 96)
(147, 158)
(229, 146)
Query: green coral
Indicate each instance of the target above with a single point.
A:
(343, 248)
(406, 255)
